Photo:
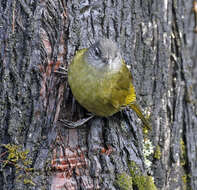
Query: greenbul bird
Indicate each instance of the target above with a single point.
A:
(101, 82)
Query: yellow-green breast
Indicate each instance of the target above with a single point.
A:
(102, 93)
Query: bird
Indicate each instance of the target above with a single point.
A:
(101, 81)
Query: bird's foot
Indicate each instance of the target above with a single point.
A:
(75, 124)
(62, 71)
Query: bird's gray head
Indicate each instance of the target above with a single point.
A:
(104, 55)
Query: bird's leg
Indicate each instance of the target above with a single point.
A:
(66, 123)
(62, 71)
(75, 124)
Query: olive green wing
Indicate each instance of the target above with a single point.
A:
(123, 92)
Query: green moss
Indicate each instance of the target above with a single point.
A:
(186, 182)
(140, 181)
(137, 180)
(145, 131)
(16, 155)
(183, 152)
(157, 153)
(124, 182)
(183, 160)
(28, 181)
(184, 179)
(18, 158)
(144, 183)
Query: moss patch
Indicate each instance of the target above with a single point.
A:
(140, 181)
(124, 181)
(135, 180)
(183, 152)
(17, 157)
(157, 154)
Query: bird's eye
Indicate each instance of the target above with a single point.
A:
(97, 51)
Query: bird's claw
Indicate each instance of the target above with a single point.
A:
(75, 124)
(61, 71)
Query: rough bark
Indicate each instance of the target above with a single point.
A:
(156, 39)
(31, 35)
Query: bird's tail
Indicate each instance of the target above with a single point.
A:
(134, 106)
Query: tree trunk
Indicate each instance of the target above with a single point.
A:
(157, 40)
